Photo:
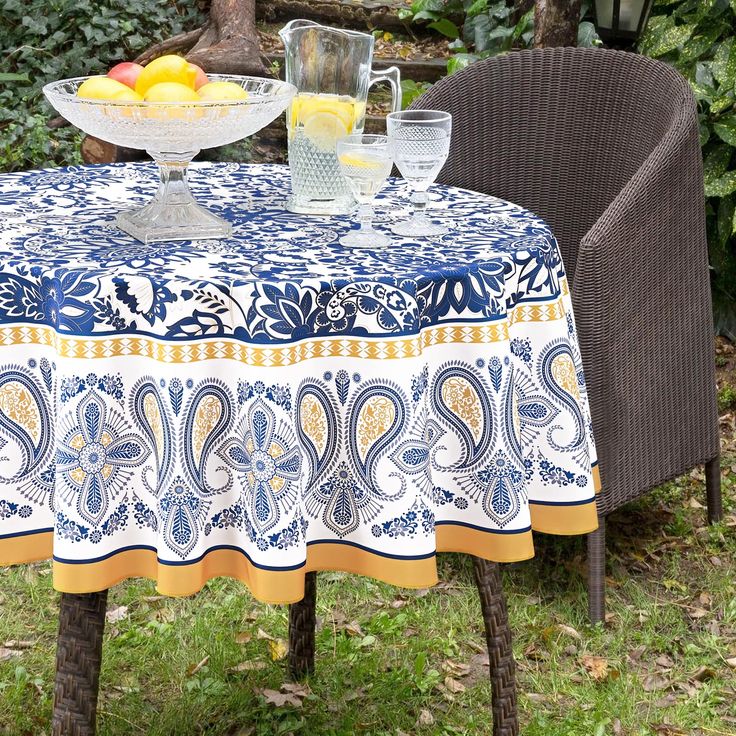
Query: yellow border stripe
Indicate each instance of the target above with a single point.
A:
(288, 586)
(17, 550)
(203, 348)
(567, 520)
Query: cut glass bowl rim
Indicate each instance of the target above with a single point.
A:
(283, 90)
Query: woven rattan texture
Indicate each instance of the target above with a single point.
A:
(498, 640)
(302, 624)
(78, 659)
(604, 145)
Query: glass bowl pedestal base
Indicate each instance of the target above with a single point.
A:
(172, 214)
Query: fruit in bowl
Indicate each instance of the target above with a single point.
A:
(172, 109)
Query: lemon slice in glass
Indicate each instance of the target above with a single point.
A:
(367, 161)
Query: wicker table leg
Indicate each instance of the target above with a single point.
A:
(498, 639)
(78, 659)
(597, 572)
(302, 624)
(713, 489)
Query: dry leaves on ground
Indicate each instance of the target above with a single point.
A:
(288, 694)
(116, 613)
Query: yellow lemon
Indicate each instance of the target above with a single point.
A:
(171, 92)
(324, 129)
(169, 68)
(104, 88)
(344, 108)
(222, 91)
(368, 161)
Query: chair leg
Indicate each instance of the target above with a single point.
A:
(302, 624)
(713, 489)
(78, 660)
(597, 572)
(500, 654)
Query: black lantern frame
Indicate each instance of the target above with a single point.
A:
(609, 28)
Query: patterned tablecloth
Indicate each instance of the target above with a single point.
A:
(272, 404)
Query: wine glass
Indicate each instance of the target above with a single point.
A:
(421, 144)
(365, 163)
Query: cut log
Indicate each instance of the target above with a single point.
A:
(556, 23)
(95, 151)
(226, 44)
(366, 15)
(229, 42)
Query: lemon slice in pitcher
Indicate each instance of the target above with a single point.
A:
(323, 128)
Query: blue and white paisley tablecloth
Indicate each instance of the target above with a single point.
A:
(272, 404)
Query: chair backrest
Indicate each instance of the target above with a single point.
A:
(558, 131)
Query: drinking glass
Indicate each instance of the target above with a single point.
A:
(365, 163)
(421, 143)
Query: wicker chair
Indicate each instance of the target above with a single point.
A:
(604, 146)
(82, 623)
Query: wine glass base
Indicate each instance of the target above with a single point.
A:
(363, 239)
(157, 222)
(412, 228)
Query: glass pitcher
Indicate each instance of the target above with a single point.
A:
(331, 70)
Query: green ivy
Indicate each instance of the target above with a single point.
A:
(486, 28)
(45, 40)
(698, 37)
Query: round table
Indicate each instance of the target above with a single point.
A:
(274, 404)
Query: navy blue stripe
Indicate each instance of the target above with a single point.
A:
(177, 563)
(563, 503)
(26, 534)
(483, 529)
(182, 563)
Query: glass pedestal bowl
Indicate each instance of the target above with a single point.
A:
(172, 133)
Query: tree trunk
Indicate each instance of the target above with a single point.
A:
(229, 42)
(556, 23)
(521, 7)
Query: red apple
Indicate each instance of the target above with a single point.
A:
(126, 72)
(201, 77)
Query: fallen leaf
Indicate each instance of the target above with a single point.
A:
(731, 662)
(243, 637)
(353, 629)
(697, 612)
(617, 728)
(454, 686)
(457, 669)
(703, 673)
(565, 629)
(654, 682)
(664, 660)
(278, 649)
(264, 635)
(19, 644)
(9, 653)
(248, 666)
(194, 668)
(597, 667)
(118, 613)
(289, 694)
(665, 729)
(425, 718)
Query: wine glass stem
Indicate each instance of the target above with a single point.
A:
(420, 199)
(365, 218)
(173, 188)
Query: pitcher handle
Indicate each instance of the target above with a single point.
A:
(392, 75)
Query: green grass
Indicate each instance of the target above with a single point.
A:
(384, 653)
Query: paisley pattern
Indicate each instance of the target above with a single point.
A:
(272, 393)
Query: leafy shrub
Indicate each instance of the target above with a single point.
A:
(44, 40)
(698, 37)
(486, 27)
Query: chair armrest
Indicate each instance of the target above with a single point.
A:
(643, 310)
